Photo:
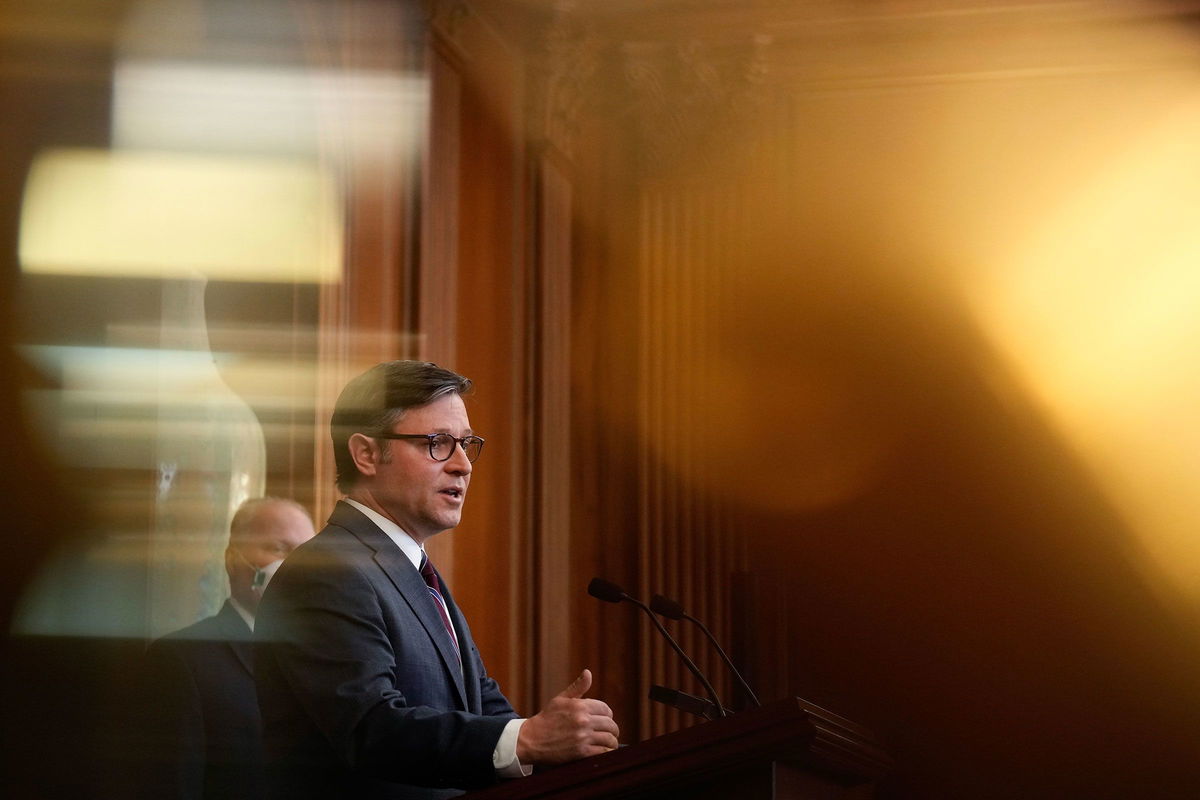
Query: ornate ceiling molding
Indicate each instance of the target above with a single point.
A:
(685, 97)
(573, 53)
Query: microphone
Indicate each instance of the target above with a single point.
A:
(607, 591)
(611, 593)
(683, 701)
(672, 610)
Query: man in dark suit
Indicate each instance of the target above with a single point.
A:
(369, 680)
(204, 731)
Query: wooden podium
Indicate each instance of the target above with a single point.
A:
(789, 750)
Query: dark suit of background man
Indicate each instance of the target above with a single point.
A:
(370, 685)
(204, 731)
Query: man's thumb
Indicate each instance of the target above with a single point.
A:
(579, 687)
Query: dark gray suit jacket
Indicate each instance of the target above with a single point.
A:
(359, 684)
(203, 731)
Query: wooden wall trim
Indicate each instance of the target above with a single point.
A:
(438, 293)
(437, 284)
(477, 291)
(553, 533)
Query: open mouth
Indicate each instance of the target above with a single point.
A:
(455, 493)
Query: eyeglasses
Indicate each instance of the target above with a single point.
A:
(441, 445)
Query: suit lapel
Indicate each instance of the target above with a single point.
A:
(409, 583)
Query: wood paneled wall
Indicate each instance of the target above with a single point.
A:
(478, 323)
(685, 547)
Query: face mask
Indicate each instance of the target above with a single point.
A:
(263, 575)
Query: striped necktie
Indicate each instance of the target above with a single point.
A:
(435, 590)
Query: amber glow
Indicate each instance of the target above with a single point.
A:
(1096, 310)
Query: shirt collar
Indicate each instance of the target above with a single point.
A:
(243, 612)
(407, 545)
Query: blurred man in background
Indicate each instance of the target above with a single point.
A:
(204, 731)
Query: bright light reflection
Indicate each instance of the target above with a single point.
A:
(148, 214)
(1098, 312)
(128, 420)
(178, 105)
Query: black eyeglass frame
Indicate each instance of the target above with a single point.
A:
(459, 441)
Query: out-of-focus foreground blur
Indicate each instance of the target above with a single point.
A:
(868, 329)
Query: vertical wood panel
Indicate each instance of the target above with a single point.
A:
(474, 309)
(438, 306)
(437, 309)
(686, 549)
(553, 531)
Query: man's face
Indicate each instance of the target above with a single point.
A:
(423, 496)
(275, 530)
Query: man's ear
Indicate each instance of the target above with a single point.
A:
(366, 452)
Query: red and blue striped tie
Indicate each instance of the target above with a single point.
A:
(435, 590)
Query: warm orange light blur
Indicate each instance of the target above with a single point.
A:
(1096, 308)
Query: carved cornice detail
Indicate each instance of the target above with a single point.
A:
(572, 54)
(688, 97)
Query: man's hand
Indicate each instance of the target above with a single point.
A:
(571, 726)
